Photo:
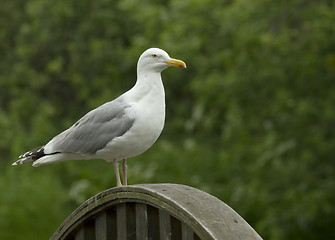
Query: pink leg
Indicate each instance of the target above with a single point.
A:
(124, 170)
(117, 174)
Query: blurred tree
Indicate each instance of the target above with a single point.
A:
(250, 120)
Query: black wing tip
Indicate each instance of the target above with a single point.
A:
(34, 154)
(18, 162)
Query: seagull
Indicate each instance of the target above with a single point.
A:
(123, 128)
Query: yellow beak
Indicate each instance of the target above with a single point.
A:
(176, 63)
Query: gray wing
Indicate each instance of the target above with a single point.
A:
(93, 131)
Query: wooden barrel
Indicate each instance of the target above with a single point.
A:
(154, 211)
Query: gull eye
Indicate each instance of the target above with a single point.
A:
(154, 56)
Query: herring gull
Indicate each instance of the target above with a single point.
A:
(117, 130)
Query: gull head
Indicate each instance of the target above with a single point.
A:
(156, 60)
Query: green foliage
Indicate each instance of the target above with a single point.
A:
(250, 120)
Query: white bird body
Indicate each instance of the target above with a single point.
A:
(117, 130)
(146, 128)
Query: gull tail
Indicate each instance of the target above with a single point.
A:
(30, 156)
(38, 157)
